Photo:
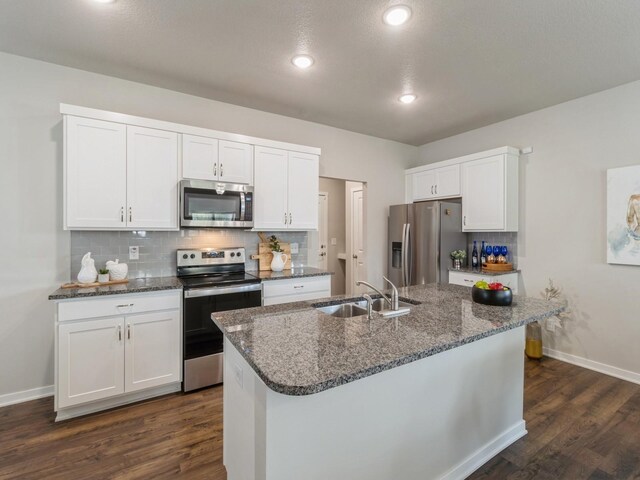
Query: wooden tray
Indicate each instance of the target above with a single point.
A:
(497, 267)
(94, 284)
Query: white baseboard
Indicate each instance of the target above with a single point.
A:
(25, 396)
(486, 453)
(612, 371)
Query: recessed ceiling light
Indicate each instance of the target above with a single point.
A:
(302, 61)
(396, 15)
(407, 98)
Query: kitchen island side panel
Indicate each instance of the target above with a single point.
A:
(438, 417)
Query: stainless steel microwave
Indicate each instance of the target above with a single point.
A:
(206, 204)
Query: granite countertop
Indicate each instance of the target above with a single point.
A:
(295, 272)
(481, 272)
(135, 285)
(298, 350)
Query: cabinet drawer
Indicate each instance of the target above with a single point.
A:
(296, 286)
(469, 279)
(115, 305)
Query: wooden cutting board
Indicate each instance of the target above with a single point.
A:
(93, 284)
(265, 256)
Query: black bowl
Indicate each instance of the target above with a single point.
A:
(497, 298)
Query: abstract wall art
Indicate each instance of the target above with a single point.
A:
(623, 215)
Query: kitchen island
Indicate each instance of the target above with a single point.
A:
(432, 394)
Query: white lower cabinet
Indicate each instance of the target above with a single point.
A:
(102, 361)
(469, 279)
(296, 289)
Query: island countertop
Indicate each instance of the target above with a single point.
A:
(298, 350)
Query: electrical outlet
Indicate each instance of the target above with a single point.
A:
(133, 253)
(334, 241)
(294, 248)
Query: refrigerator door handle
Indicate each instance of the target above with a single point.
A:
(407, 268)
(403, 247)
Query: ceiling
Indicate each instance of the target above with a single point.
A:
(471, 62)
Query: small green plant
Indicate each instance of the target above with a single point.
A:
(458, 255)
(274, 244)
(103, 271)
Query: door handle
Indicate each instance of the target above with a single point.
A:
(355, 256)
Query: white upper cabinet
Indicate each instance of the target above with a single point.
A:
(443, 182)
(206, 158)
(235, 162)
(96, 173)
(270, 191)
(304, 178)
(152, 178)
(286, 190)
(490, 194)
(199, 157)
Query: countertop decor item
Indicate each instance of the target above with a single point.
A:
(265, 256)
(533, 342)
(497, 267)
(93, 284)
(279, 257)
(117, 270)
(88, 272)
(502, 297)
(458, 257)
(103, 275)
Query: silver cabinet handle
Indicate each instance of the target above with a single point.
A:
(125, 305)
(130, 215)
(221, 170)
(129, 331)
(121, 214)
(298, 286)
(436, 187)
(290, 219)
(119, 333)
(431, 189)
(215, 169)
(285, 218)
(464, 220)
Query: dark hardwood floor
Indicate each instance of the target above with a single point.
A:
(582, 425)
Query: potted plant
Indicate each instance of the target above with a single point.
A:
(277, 264)
(458, 257)
(103, 275)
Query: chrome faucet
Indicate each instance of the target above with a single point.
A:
(393, 301)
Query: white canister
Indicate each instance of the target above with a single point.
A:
(279, 259)
(117, 270)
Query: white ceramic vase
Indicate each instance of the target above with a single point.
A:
(88, 272)
(279, 259)
(117, 270)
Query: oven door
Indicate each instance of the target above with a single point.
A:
(203, 340)
(214, 204)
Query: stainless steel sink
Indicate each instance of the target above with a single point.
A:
(345, 310)
(356, 309)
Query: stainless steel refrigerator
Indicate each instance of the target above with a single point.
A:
(421, 237)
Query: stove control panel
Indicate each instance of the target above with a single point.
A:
(210, 256)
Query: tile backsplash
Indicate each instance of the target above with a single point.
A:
(510, 239)
(157, 250)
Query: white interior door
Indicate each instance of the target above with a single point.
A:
(96, 173)
(90, 360)
(358, 238)
(152, 178)
(323, 230)
(152, 351)
(236, 162)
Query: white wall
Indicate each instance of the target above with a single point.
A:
(35, 249)
(563, 215)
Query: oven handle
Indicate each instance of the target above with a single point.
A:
(210, 292)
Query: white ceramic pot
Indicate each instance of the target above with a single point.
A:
(88, 272)
(117, 270)
(279, 259)
(103, 277)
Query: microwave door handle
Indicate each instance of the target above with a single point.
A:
(243, 206)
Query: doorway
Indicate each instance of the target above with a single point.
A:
(355, 214)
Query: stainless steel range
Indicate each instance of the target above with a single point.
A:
(214, 280)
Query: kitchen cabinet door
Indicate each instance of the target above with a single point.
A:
(90, 360)
(424, 185)
(270, 190)
(199, 157)
(235, 162)
(152, 179)
(448, 181)
(303, 186)
(152, 350)
(483, 194)
(95, 174)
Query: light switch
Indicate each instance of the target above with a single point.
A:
(133, 253)
(294, 248)
(334, 241)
